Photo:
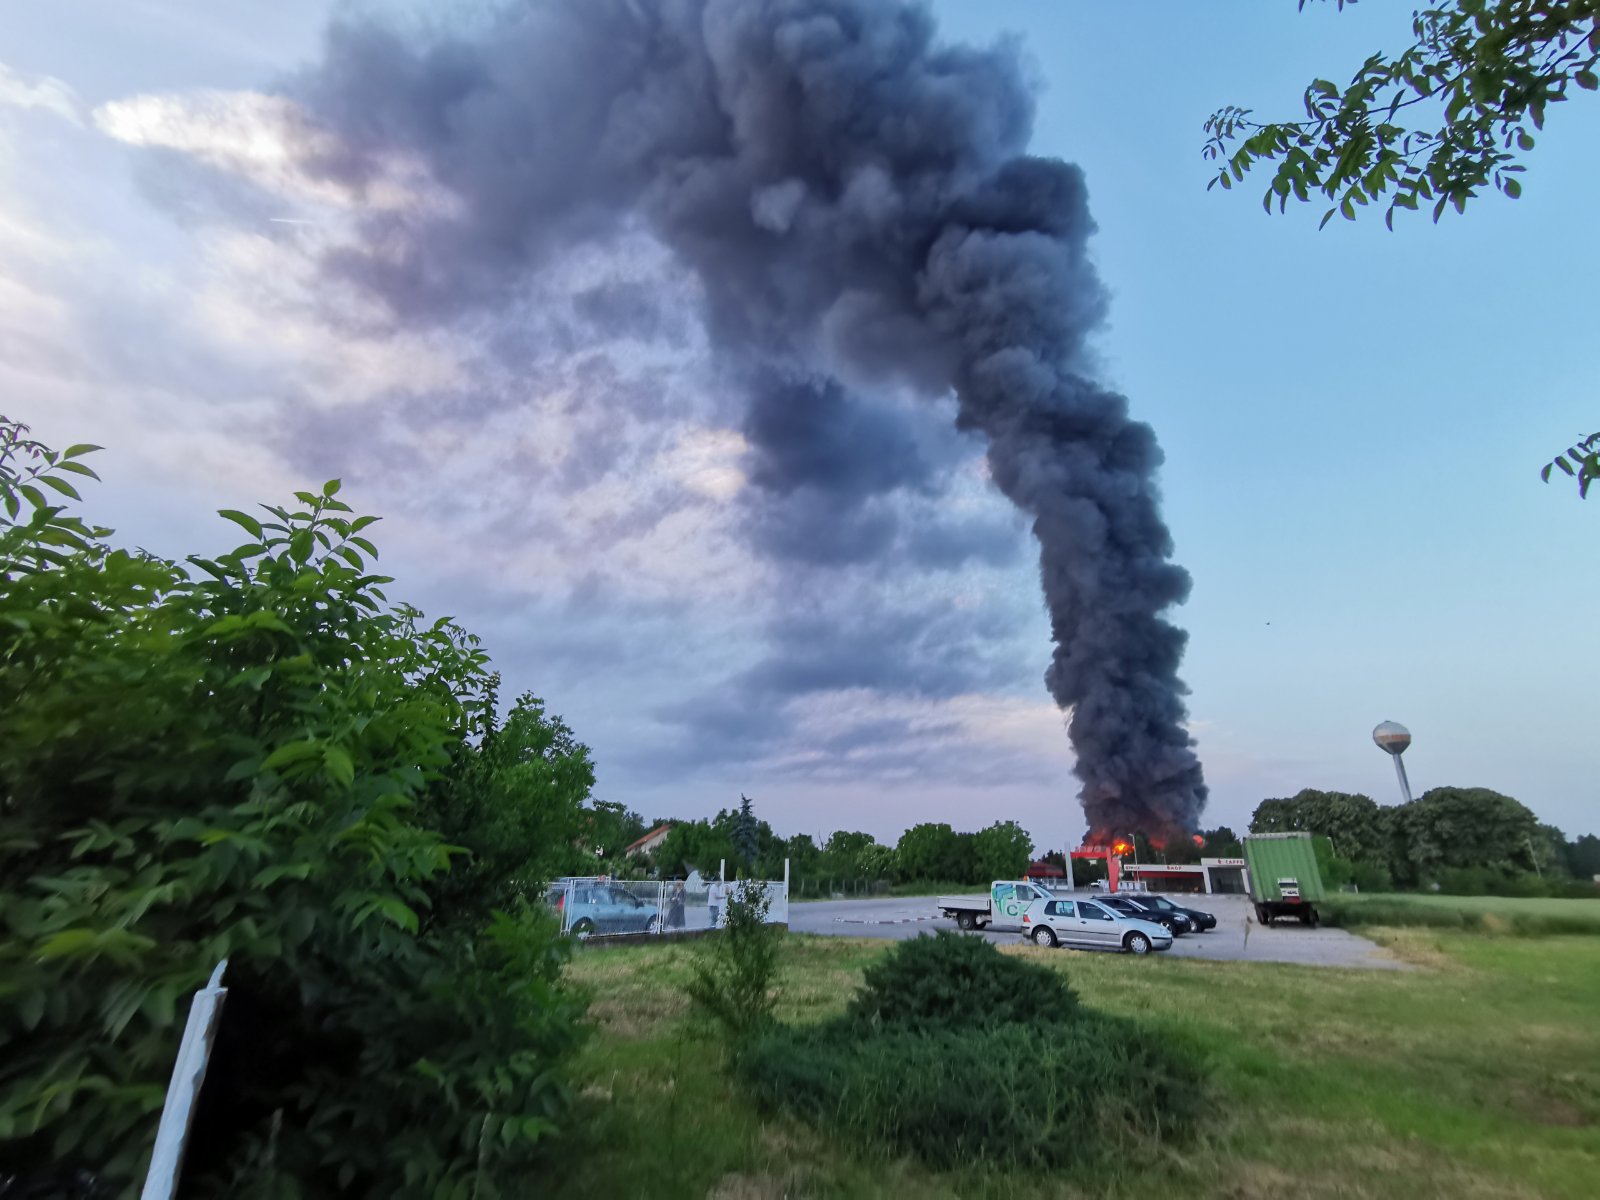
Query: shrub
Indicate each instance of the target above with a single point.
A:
(1048, 1094)
(733, 978)
(231, 760)
(947, 979)
(957, 1053)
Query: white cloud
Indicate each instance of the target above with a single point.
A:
(41, 92)
(254, 136)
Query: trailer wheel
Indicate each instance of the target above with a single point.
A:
(1136, 943)
(1316, 918)
(1263, 914)
(966, 920)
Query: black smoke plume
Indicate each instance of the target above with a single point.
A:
(856, 203)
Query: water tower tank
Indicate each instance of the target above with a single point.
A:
(1392, 736)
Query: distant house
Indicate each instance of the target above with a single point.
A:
(646, 846)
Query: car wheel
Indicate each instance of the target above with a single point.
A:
(1044, 936)
(966, 920)
(583, 929)
(653, 925)
(1136, 943)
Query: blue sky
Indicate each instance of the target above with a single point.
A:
(1353, 421)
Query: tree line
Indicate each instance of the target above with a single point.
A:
(1455, 839)
(748, 846)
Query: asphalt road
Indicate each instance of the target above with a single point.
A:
(1237, 937)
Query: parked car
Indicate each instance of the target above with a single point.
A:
(1091, 925)
(1202, 921)
(591, 906)
(1138, 907)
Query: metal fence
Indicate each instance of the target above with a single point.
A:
(838, 889)
(601, 907)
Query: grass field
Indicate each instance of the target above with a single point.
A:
(1491, 914)
(1477, 1074)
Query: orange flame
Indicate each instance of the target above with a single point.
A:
(1199, 841)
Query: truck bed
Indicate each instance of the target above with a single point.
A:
(978, 903)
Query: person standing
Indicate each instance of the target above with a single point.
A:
(716, 898)
(675, 907)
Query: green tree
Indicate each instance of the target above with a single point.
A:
(233, 758)
(929, 851)
(1357, 825)
(1434, 125)
(1463, 828)
(1002, 851)
(803, 855)
(1583, 857)
(609, 828)
(514, 802)
(698, 846)
(746, 836)
(1221, 842)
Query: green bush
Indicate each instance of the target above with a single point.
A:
(1052, 1093)
(959, 1054)
(733, 979)
(234, 759)
(945, 979)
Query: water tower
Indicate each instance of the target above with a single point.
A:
(1393, 738)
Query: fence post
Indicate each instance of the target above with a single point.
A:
(188, 1074)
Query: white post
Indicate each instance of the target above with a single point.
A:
(722, 869)
(786, 877)
(188, 1074)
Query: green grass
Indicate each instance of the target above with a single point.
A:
(1489, 914)
(1475, 1074)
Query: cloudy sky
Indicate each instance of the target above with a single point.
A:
(1353, 422)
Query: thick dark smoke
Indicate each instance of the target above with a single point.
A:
(856, 204)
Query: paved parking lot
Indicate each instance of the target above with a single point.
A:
(1236, 937)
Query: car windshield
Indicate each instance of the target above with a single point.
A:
(1160, 902)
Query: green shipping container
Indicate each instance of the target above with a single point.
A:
(1272, 857)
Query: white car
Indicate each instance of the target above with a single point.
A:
(1089, 925)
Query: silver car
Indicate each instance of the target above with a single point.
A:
(1089, 925)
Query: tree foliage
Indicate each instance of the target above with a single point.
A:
(1580, 462)
(929, 851)
(1357, 826)
(1451, 115)
(1472, 839)
(733, 978)
(253, 757)
(1451, 827)
(746, 834)
(1002, 851)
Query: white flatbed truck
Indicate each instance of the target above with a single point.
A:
(1002, 908)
